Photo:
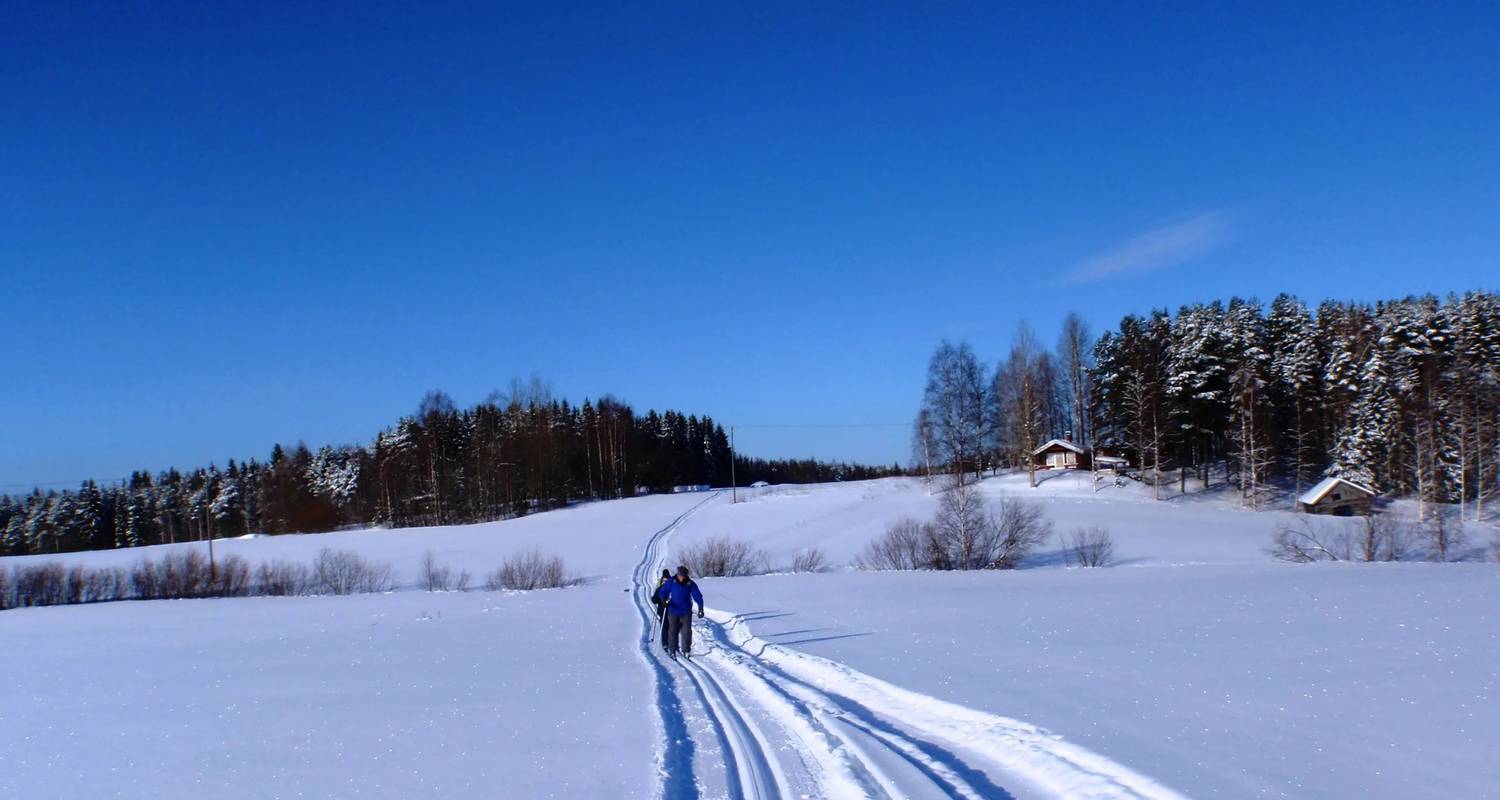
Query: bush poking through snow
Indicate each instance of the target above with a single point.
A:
(347, 572)
(188, 574)
(435, 577)
(1445, 535)
(530, 570)
(282, 579)
(1303, 544)
(903, 546)
(232, 578)
(811, 559)
(964, 535)
(1090, 547)
(1390, 536)
(723, 557)
(1021, 528)
(39, 585)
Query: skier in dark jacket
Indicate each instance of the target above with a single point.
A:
(679, 595)
(661, 606)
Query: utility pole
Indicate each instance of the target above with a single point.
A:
(734, 484)
(213, 576)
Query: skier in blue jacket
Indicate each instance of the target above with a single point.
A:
(679, 595)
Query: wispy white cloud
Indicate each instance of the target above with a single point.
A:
(1156, 249)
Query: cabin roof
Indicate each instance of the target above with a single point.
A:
(1316, 494)
(1064, 443)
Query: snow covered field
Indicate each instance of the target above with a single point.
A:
(1197, 667)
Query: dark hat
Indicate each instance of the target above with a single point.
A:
(682, 570)
(666, 573)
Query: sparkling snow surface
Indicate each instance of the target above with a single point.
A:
(1197, 665)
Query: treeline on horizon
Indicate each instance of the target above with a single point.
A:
(1402, 395)
(507, 456)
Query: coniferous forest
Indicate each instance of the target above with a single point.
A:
(1402, 395)
(507, 456)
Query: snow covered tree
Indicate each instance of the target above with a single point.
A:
(1197, 385)
(1250, 363)
(1295, 363)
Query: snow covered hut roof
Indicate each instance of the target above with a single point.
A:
(1110, 460)
(1317, 493)
(1062, 442)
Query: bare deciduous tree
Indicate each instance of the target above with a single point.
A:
(966, 534)
(963, 529)
(1074, 345)
(1030, 378)
(953, 406)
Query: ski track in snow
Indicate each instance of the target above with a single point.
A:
(849, 735)
(751, 774)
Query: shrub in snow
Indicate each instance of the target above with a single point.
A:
(107, 585)
(282, 578)
(812, 559)
(347, 572)
(964, 535)
(530, 570)
(903, 546)
(1388, 537)
(1090, 547)
(1301, 543)
(74, 584)
(721, 556)
(1391, 536)
(183, 573)
(231, 578)
(39, 585)
(1444, 535)
(435, 577)
(1021, 527)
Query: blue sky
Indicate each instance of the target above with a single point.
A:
(226, 227)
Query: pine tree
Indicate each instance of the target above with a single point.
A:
(1296, 392)
(1245, 334)
(1197, 385)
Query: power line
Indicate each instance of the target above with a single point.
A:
(43, 484)
(834, 425)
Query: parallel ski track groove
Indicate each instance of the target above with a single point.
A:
(945, 771)
(752, 775)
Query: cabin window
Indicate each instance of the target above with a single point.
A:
(1337, 496)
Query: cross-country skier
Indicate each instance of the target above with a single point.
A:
(661, 606)
(679, 595)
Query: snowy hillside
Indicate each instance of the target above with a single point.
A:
(1197, 666)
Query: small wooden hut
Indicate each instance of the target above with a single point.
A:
(1338, 497)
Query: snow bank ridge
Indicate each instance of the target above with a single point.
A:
(1025, 751)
